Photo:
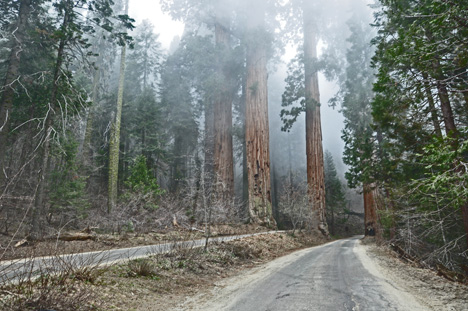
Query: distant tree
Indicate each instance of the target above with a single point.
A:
(219, 90)
(178, 102)
(302, 88)
(356, 95)
(334, 192)
(143, 131)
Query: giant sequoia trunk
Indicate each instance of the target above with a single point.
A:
(245, 173)
(256, 121)
(223, 156)
(209, 146)
(314, 149)
(114, 142)
(370, 211)
(8, 87)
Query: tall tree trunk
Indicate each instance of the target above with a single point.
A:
(86, 156)
(208, 171)
(314, 149)
(245, 173)
(38, 208)
(114, 142)
(8, 87)
(370, 212)
(446, 107)
(223, 154)
(432, 107)
(256, 121)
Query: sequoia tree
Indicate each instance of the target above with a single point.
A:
(359, 136)
(314, 149)
(223, 154)
(256, 112)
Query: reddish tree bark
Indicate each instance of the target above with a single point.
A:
(314, 148)
(256, 121)
(223, 154)
(370, 211)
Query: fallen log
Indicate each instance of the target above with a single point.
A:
(76, 236)
(402, 254)
(451, 275)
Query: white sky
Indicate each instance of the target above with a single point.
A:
(164, 25)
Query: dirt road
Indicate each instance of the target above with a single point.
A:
(336, 276)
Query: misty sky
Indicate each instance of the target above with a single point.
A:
(164, 25)
(167, 28)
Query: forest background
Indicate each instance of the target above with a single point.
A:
(101, 127)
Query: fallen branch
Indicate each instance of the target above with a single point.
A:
(451, 275)
(402, 254)
(76, 236)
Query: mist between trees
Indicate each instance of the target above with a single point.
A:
(100, 127)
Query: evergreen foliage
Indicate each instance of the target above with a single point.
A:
(417, 124)
(141, 179)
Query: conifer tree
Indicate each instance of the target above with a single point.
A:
(114, 141)
(11, 76)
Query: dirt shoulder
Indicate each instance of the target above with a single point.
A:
(428, 288)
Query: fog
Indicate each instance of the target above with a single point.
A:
(332, 121)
